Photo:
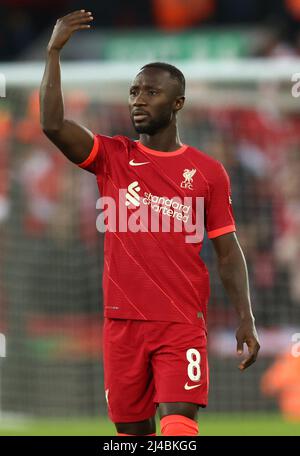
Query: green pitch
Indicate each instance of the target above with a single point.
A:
(209, 425)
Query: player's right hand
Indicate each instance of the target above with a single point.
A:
(66, 26)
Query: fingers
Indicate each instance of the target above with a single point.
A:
(247, 362)
(80, 16)
(80, 19)
(82, 27)
(76, 14)
(78, 26)
(77, 18)
(253, 349)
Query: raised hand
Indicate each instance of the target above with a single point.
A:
(66, 26)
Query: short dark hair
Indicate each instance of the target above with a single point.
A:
(175, 73)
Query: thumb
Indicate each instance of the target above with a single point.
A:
(239, 347)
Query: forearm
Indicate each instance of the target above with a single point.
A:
(234, 275)
(51, 97)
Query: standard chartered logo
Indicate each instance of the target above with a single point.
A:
(132, 195)
(166, 206)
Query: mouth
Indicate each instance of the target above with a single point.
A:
(139, 116)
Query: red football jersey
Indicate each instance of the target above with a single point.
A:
(157, 203)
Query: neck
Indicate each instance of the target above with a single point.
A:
(166, 140)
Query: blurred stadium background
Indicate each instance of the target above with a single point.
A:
(238, 58)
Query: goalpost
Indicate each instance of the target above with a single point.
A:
(2, 355)
(246, 114)
(115, 77)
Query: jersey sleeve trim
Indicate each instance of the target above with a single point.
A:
(92, 154)
(224, 230)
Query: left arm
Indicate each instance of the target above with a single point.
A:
(234, 275)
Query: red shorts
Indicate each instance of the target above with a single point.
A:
(149, 362)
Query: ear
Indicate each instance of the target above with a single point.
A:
(178, 103)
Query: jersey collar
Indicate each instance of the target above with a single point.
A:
(160, 153)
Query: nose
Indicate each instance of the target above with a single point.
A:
(139, 100)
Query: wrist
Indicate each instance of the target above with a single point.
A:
(52, 50)
(247, 318)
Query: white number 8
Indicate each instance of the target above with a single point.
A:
(194, 358)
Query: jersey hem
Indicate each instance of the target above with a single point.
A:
(199, 322)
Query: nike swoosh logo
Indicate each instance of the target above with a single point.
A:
(133, 163)
(190, 387)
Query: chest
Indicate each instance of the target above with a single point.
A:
(177, 176)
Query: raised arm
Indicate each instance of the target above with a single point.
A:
(233, 272)
(75, 141)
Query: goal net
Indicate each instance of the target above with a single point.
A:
(244, 114)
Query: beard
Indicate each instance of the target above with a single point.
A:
(152, 126)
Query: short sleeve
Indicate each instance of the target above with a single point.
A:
(95, 159)
(104, 154)
(219, 217)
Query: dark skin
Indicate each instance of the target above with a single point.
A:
(160, 97)
(75, 141)
(154, 101)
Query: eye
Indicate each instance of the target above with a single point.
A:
(153, 92)
(133, 92)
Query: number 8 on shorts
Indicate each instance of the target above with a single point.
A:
(194, 358)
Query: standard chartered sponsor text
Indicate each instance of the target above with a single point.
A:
(152, 213)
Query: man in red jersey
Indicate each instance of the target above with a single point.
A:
(155, 285)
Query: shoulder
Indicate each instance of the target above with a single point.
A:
(118, 141)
